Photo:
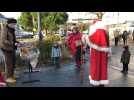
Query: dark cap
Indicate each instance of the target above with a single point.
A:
(11, 20)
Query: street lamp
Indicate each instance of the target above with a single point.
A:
(118, 17)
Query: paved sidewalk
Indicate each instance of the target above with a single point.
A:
(68, 76)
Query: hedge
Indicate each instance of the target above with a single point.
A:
(45, 49)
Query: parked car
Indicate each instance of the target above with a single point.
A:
(36, 35)
(24, 35)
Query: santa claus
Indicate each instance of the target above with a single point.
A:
(99, 44)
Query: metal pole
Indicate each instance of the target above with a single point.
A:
(118, 17)
(39, 26)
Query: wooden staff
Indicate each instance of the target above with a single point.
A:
(81, 66)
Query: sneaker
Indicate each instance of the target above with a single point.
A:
(10, 80)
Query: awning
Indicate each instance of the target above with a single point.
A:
(2, 20)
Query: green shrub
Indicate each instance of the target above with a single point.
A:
(45, 49)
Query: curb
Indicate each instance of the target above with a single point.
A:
(119, 69)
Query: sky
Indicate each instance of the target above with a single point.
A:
(115, 17)
(11, 14)
(111, 17)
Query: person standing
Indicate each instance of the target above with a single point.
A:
(56, 54)
(125, 59)
(116, 37)
(75, 43)
(99, 48)
(8, 45)
(124, 36)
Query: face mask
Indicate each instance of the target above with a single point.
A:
(12, 26)
(15, 26)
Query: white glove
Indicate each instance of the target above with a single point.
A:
(110, 50)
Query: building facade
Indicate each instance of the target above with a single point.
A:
(3, 21)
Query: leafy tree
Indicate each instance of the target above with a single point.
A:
(25, 21)
(49, 20)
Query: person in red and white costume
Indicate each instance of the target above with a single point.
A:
(74, 42)
(99, 44)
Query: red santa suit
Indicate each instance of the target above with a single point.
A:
(98, 42)
(74, 40)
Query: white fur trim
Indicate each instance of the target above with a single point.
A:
(94, 46)
(100, 82)
(93, 28)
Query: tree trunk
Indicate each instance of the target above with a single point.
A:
(46, 31)
(33, 20)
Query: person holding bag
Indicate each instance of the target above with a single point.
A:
(8, 45)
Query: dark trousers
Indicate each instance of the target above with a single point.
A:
(10, 57)
(125, 41)
(116, 41)
(56, 61)
(78, 57)
(125, 67)
(78, 61)
(14, 62)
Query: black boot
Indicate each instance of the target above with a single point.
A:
(122, 71)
